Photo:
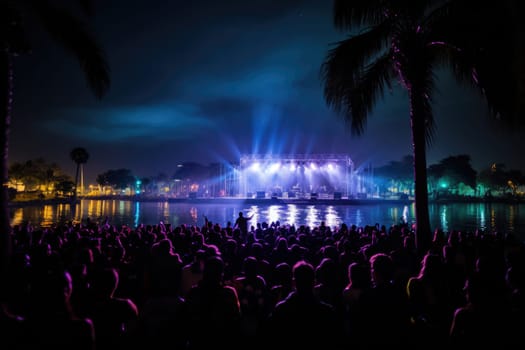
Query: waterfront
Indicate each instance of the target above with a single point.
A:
(502, 217)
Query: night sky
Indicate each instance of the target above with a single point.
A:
(207, 81)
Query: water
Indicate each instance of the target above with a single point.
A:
(460, 216)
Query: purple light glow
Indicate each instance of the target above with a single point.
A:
(295, 175)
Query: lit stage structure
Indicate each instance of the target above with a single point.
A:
(296, 176)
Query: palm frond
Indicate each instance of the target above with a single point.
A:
(439, 15)
(499, 67)
(72, 34)
(488, 58)
(503, 88)
(354, 14)
(352, 54)
(415, 10)
(355, 98)
(13, 37)
(376, 78)
(430, 125)
(87, 6)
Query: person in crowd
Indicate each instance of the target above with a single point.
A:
(359, 282)
(50, 322)
(115, 318)
(252, 290)
(390, 299)
(301, 320)
(241, 223)
(213, 312)
(429, 300)
(386, 319)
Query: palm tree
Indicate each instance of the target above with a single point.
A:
(71, 33)
(80, 156)
(405, 42)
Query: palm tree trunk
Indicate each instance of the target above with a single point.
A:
(81, 179)
(6, 95)
(418, 126)
(75, 194)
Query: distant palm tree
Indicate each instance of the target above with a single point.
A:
(80, 156)
(70, 32)
(405, 42)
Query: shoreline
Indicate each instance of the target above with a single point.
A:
(262, 201)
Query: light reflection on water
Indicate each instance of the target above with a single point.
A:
(460, 216)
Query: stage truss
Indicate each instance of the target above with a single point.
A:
(296, 176)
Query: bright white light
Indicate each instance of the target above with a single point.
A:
(274, 168)
(331, 217)
(274, 175)
(312, 216)
(293, 214)
(274, 213)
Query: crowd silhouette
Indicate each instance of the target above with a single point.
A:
(97, 286)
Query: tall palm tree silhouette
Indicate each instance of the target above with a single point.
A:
(80, 156)
(71, 33)
(405, 42)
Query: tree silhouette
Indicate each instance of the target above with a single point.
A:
(117, 178)
(405, 42)
(71, 33)
(80, 156)
(454, 170)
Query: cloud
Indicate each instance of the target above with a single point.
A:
(128, 123)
